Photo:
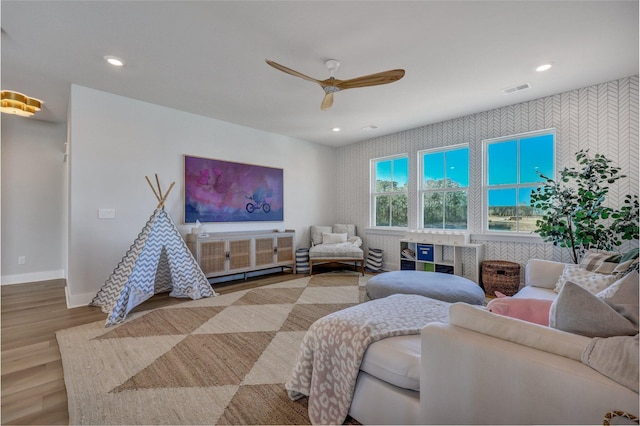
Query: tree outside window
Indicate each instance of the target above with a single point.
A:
(389, 191)
(444, 187)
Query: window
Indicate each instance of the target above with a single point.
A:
(512, 167)
(443, 188)
(389, 179)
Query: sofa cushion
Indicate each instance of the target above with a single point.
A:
(591, 281)
(615, 357)
(517, 331)
(577, 311)
(395, 360)
(542, 273)
(532, 292)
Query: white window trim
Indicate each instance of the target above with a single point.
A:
(372, 193)
(485, 172)
(420, 174)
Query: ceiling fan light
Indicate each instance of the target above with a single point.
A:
(19, 104)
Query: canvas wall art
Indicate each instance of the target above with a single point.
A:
(223, 191)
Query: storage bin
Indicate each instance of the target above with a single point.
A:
(445, 269)
(425, 252)
(374, 260)
(500, 275)
(302, 261)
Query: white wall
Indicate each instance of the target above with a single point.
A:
(115, 142)
(32, 199)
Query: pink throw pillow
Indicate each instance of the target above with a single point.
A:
(531, 310)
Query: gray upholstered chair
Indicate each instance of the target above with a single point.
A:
(337, 243)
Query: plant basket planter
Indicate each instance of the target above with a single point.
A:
(500, 275)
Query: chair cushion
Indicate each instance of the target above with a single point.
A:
(350, 230)
(316, 233)
(336, 251)
(395, 360)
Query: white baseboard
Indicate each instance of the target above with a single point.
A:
(32, 277)
(77, 300)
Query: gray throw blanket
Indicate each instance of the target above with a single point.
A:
(332, 349)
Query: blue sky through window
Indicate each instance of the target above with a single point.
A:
(502, 161)
(536, 155)
(396, 170)
(452, 164)
(504, 165)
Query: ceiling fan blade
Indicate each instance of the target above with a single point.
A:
(290, 71)
(327, 101)
(384, 77)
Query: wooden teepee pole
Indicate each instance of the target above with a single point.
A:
(152, 188)
(159, 189)
(159, 196)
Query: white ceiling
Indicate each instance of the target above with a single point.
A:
(208, 57)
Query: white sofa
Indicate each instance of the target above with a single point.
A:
(482, 368)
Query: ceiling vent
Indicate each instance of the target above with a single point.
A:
(517, 88)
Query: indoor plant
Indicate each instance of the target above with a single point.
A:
(574, 211)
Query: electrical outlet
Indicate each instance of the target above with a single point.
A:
(106, 213)
(22, 260)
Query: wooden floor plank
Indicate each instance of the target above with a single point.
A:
(30, 359)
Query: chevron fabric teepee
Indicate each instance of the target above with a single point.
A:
(158, 261)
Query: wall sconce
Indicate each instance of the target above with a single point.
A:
(19, 104)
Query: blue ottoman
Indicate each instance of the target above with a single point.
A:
(436, 285)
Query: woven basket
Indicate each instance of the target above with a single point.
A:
(500, 275)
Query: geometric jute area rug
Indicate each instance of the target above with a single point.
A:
(220, 360)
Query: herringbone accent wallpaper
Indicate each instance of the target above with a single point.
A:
(602, 118)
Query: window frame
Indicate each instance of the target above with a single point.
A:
(373, 194)
(517, 186)
(422, 190)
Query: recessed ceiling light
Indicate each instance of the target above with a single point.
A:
(370, 127)
(336, 129)
(115, 61)
(543, 67)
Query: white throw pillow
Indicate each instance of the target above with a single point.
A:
(328, 238)
(590, 281)
(316, 233)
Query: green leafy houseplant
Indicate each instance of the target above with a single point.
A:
(574, 214)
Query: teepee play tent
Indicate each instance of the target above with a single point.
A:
(158, 261)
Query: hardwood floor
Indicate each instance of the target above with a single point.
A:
(33, 390)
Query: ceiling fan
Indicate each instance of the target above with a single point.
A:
(332, 85)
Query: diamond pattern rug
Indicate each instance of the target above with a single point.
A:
(220, 360)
